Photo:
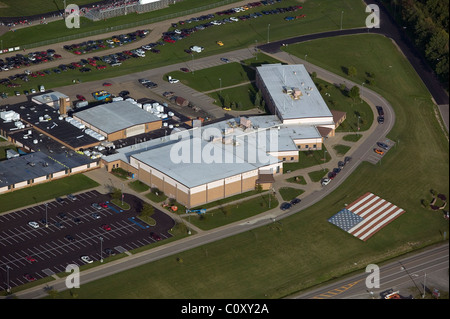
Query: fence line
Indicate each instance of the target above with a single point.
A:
(128, 25)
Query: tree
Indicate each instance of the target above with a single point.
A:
(147, 210)
(352, 71)
(116, 193)
(257, 100)
(354, 93)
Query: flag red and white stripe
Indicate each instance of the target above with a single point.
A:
(375, 211)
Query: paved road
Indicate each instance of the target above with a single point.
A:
(359, 155)
(429, 267)
(390, 29)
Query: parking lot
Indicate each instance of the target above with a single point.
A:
(68, 230)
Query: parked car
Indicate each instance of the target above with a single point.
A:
(95, 215)
(71, 197)
(380, 120)
(380, 111)
(285, 206)
(224, 60)
(33, 224)
(86, 259)
(295, 201)
(382, 145)
(378, 151)
(96, 206)
(155, 236)
(326, 181)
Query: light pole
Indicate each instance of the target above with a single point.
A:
(268, 30)
(305, 56)
(46, 219)
(192, 63)
(342, 13)
(122, 194)
(220, 85)
(101, 249)
(358, 123)
(8, 288)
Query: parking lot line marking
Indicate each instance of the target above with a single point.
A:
(132, 219)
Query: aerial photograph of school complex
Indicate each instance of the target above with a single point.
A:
(224, 150)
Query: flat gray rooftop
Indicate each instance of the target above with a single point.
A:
(277, 77)
(27, 167)
(115, 116)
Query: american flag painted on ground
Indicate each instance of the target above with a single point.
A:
(366, 216)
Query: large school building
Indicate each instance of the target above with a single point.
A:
(204, 164)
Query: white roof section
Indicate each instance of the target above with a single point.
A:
(49, 97)
(219, 150)
(310, 105)
(115, 116)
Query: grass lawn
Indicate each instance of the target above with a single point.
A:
(138, 186)
(23, 8)
(156, 198)
(289, 193)
(38, 193)
(297, 179)
(215, 78)
(304, 250)
(234, 212)
(239, 98)
(321, 17)
(341, 149)
(340, 101)
(352, 137)
(308, 159)
(226, 200)
(317, 175)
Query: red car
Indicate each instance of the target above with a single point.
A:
(107, 84)
(40, 73)
(77, 65)
(30, 259)
(155, 236)
(57, 56)
(29, 277)
(101, 67)
(103, 205)
(81, 97)
(184, 69)
(106, 227)
(77, 52)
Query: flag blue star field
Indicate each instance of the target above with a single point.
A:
(366, 216)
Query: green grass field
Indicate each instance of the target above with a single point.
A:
(321, 17)
(38, 193)
(303, 250)
(23, 8)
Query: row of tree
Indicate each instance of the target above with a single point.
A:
(426, 21)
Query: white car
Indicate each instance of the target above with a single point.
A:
(86, 259)
(172, 80)
(33, 224)
(234, 19)
(326, 181)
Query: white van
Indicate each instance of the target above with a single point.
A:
(41, 88)
(197, 49)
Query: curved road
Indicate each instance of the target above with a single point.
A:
(359, 155)
(378, 133)
(390, 29)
